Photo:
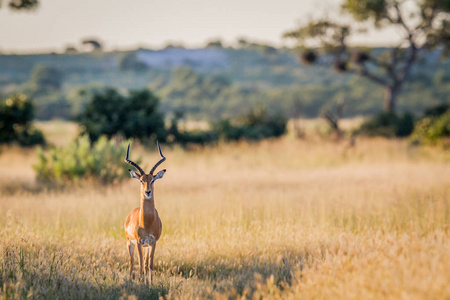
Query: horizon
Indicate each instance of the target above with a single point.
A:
(126, 27)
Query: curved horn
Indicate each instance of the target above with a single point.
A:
(163, 158)
(133, 163)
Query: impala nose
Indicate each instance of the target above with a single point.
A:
(148, 194)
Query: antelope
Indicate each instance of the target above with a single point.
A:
(143, 226)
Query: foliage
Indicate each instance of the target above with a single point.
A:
(437, 111)
(429, 19)
(186, 83)
(388, 124)
(136, 116)
(432, 130)
(130, 62)
(16, 115)
(211, 92)
(96, 45)
(44, 87)
(214, 44)
(44, 78)
(80, 96)
(366, 9)
(256, 125)
(199, 137)
(101, 161)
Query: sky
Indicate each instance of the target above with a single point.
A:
(128, 24)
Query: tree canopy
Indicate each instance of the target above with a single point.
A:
(16, 115)
(136, 116)
(424, 25)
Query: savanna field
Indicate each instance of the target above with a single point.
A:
(280, 219)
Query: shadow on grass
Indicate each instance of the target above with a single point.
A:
(48, 270)
(218, 275)
(48, 273)
(241, 273)
(63, 287)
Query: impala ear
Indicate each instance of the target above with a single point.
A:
(134, 174)
(159, 175)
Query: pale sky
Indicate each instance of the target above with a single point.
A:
(127, 24)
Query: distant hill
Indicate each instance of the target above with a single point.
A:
(175, 57)
(211, 83)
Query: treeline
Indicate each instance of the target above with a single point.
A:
(60, 85)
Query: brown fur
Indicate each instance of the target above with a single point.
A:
(144, 226)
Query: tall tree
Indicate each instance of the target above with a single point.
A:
(424, 24)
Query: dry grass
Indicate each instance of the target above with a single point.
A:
(283, 219)
(58, 132)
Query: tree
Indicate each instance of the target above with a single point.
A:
(95, 44)
(110, 113)
(130, 62)
(21, 4)
(142, 118)
(215, 44)
(46, 78)
(16, 115)
(424, 25)
(80, 96)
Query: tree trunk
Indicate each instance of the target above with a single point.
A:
(390, 98)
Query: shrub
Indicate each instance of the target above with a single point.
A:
(101, 161)
(110, 113)
(256, 125)
(388, 124)
(437, 110)
(16, 114)
(431, 130)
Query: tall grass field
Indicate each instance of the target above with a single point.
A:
(279, 219)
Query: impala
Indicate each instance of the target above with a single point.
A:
(143, 226)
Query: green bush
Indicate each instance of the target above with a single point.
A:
(101, 161)
(388, 124)
(136, 116)
(431, 130)
(256, 125)
(438, 110)
(16, 115)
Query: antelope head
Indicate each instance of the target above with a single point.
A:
(147, 180)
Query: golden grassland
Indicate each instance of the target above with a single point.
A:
(281, 219)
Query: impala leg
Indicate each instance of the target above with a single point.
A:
(130, 247)
(152, 254)
(141, 263)
(147, 260)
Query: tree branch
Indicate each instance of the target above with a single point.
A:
(375, 78)
(408, 64)
(401, 21)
